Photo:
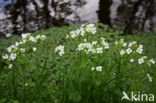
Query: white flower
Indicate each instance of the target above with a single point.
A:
(139, 50)
(116, 42)
(140, 46)
(152, 61)
(9, 48)
(134, 42)
(60, 48)
(93, 50)
(131, 60)
(12, 48)
(26, 84)
(85, 40)
(106, 46)
(12, 56)
(73, 34)
(16, 44)
(61, 52)
(5, 56)
(129, 50)
(124, 44)
(93, 68)
(130, 44)
(10, 66)
(43, 37)
(122, 52)
(103, 42)
(34, 49)
(91, 28)
(141, 60)
(24, 36)
(56, 49)
(149, 77)
(99, 50)
(88, 45)
(31, 38)
(94, 42)
(82, 31)
(38, 37)
(80, 47)
(99, 68)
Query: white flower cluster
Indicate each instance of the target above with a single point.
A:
(133, 49)
(122, 52)
(83, 30)
(129, 47)
(129, 51)
(10, 66)
(10, 57)
(60, 49)
(131, 60)
(93, 47)
(27, 37)
(151, 61)
(34, 49)
(91, 28)
(120, 42)
(12, 48)
(18, 47)
(104, 43)
(142, 59)
(140, 49)
(98, 68)
(41, 37)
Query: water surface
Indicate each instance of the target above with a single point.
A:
(19, 16)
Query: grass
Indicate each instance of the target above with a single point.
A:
(45, 77)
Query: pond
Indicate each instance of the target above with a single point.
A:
(20, 16)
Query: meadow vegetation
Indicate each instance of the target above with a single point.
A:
(91, 63)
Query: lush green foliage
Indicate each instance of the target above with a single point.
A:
(69, 75)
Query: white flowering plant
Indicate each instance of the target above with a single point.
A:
(22, 49)
(132, 56)
(76, 64)
(99, 63)
(17, 60)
